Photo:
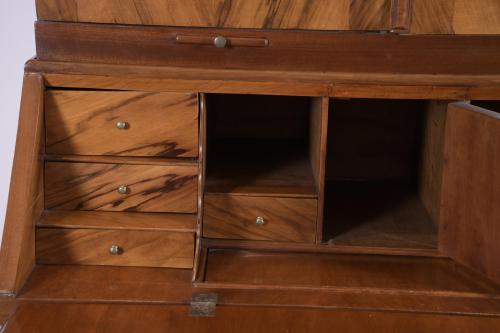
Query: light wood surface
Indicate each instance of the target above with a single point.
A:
(470, 210)
(157, 124)
(137, 318)
(255, 14)
(285, 219)
(25, 205)
(455, 17)
(272, 82)
(118, 221)
(93, 186)
(137, 248)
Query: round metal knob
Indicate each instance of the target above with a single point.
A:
(123, 189)
(122, 125)
(220, 42)
(114, 250)
(260, 221)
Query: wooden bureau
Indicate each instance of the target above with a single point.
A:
(257, 166)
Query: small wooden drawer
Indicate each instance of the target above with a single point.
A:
(121, 123)
(115, 247)
(260, 218)
(120, 187)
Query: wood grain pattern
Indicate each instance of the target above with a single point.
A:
(255, 14)
(25, 205)
(286, 219)
(455, 17)
(431, 158)
(325, 52)
(119, 221)
(137, 248)
(158, 124)
(470, 213)
(289, 83)
(137, 318)
(237, 269)
(93, 186)
(106, 284)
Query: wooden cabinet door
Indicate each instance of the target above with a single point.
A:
(470, 205)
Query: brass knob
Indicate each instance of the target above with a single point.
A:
(123, 189)
(122, 125)
(220, 42)
(260, 220)
(114, 250)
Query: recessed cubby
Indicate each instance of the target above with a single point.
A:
(383, 173)
(262, 145)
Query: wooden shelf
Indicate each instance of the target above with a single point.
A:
(118, 221)
(377, 214)
(261, 170)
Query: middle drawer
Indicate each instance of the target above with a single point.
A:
(120, 187)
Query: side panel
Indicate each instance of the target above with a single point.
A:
(17, 256)
(470, 205)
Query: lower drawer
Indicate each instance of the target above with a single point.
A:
(260, 218)
(115, 247)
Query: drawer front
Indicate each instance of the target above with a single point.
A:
(134, 248)
(237, 217)
(119, 187)
(121, 123)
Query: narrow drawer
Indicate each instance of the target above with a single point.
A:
(121, 123)
(260, 218)
(115, 247)
(120, 187)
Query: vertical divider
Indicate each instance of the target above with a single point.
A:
(201, 187)
(318, 142)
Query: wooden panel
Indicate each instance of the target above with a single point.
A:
(158, 124)
(119, 221)
(25, 205)
(136, 318)
(290, 82)
(470, 213)
(431, 160)
(93, 186)
(109, 284)
(137, 248)
(255, 14)
(456, 17)
(297, 51)
(76, 283)
(317, 148)
(234, 217)
(403, 275)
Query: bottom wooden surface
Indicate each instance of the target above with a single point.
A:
(64, 317)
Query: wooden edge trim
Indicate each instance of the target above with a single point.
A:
(401, 12)
(121, 160)
(318, 248)
(25, 204)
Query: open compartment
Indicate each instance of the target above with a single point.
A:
(262, 145)
(383, 173)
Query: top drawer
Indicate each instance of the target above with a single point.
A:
(121, 123)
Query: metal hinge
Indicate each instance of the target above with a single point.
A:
(203, 305)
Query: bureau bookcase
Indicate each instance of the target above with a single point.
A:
(337, 156)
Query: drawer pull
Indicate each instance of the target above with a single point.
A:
(115, 250)
(122, 125)
(220, 42)
(260, 220)
(123, 189)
